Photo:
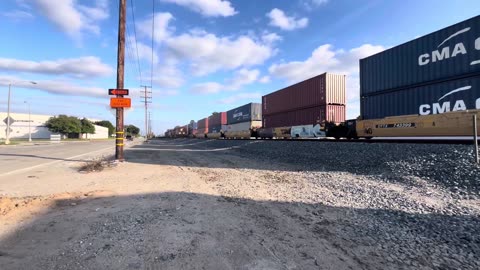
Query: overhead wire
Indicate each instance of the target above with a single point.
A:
(135, 34)
(153, 32)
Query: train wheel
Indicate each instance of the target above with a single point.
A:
(368, 138)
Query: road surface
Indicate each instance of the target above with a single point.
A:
(18, 158)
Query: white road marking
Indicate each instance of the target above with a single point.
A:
(52, 162)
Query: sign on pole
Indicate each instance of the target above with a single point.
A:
(115, 92)
(6, 120)
(120, 102)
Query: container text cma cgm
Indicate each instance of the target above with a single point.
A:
(429, 86)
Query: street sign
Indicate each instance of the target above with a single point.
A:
(120, 103)
(114, 92)
(6, 120)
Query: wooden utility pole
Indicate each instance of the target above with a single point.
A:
(146, 100)
(120, 76)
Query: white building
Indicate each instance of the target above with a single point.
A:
(19, 127)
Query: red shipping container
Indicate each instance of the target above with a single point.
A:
(217, 119)
(321, 90)
(308, 116)
(202, 123)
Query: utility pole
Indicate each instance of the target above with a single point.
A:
(146, 100)
(149, 123)
(120, 76)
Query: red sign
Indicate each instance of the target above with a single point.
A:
(115, 92)
(120, 102)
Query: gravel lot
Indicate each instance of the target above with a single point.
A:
(198, 204)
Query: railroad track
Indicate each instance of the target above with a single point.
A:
(325, 140)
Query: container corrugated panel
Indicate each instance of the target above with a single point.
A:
(450, 53)
(202, 123)
(202, 131)
(431, 99)
(318, 91)
(309, 116)
(244, 126)
(216, 128)
(246, 113)
(217, 119)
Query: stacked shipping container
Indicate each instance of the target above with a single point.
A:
(242, 120)
(217, 122)
(313, 101)
(435, 73)
(202, 127)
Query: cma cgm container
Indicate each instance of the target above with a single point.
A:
(309, 116)
(447, 54)
(246, 113)
(217, 119)
(456, 95)
(321, 90)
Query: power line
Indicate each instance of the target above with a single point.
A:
(135, 34)
(153, 32)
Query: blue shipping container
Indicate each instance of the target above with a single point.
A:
(450, 53)
(246, 113)
(463, 94)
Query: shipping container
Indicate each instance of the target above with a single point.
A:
(450, 53)
(216, 128)
(217, 119)
(246, 113)
(201, 132)
(321, 90)
(437, 98)
(309, 116)
(202, 123)
(242, 130)
(307, 131)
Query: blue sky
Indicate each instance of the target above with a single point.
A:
(209, 55)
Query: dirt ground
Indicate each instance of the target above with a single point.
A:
(179, 207)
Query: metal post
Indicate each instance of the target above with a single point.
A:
(475, 137)
(29, 123)
(120, 76)
(7, 135)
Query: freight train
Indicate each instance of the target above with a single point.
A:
(429, 86)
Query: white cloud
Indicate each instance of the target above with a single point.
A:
(208, 8)
(243, 77)
(325, 59)
(310, 4)
(270, 38)
(74, 19)
(162, 29)
(168, 76)
(78, 67)
(279, 19)
(206, 88)
(264, 79)
(241, 96)
(209, 53)
(17, 15)
(240, 78)
(55, 87)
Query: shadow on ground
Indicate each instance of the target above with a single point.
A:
(179, 230)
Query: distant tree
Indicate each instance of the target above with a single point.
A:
(107, 124)
(132, 130)
(64, 124)
(87, 126)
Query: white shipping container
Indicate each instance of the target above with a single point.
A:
(241, 129)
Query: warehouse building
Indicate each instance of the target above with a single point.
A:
(21, 123)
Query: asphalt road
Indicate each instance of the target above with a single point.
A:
(18, 158)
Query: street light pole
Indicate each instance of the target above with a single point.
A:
(7, 139)
(7, 135)
(29, 121)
